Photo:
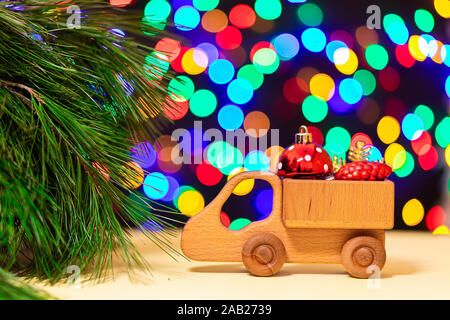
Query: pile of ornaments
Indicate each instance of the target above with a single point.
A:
(307, 160)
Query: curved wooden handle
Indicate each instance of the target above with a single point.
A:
(225, 193)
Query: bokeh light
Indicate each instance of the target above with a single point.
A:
(240, 91)
(367, 81)
(435, 217)
(322, 86)
(350, 90)
(242, 16)
(191, 202)
(424, 20)
(395, 28)
(310, 14)
(205, 5)
(221, 71)
(186, 18)
(339, 136)
(257, 161)
(263, 203)
(252, 75)
(229, 38)
(412, 126)
(230, 117)
(155, 186)
(286, 46)
(407, 167)
(314, 39)
(203, 103)
(266, 60)
(314, 109)
(208, 174)
(214, 21)
(388, 129)
(244, 187)
(181, 88)
(268, 9)
(413, 212)
(376, 56)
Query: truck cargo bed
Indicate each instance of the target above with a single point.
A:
(338, 204)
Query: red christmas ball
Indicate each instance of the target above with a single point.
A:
(304, 159)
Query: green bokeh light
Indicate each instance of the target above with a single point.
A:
(424, 20)
(205, 5)
(158, 10)
(239, 223)
(442, 132)
(155, 66)
(203, 103)
(335, 149)
(395, 28)
(224, 157)
(367, 81)
(407, 167)
(310, 14)
(266, 60)
(252, 75)
(426, 114)
(268, 9)
(181, 88)
(377, 56)
(314, 109)
(339, 136)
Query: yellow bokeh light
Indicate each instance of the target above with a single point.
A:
(413, 212)
(191, 202)
(443, 230)
(447, 155)
(194, 61)
(322, 86)
(440, 54)
(414, 48)
(395, 156)
(388, 129)
(442, 8)
(243, 187)
(350, 65)
(134, 175)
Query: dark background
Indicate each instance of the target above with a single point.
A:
(421, 84)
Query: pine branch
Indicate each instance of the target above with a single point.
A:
(69, 102)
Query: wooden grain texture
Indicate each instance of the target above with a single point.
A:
(263, 254)
(204, 237)
(338, 204)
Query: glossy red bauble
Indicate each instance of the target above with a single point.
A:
(304, 159)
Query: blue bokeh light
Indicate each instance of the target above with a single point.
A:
(230, 117)
(314, 39)
(221, 71)
(350, 90)
(264, 203)
(240, 91)
(155, 185)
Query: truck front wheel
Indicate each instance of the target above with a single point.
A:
(263, 254)
(361, 254)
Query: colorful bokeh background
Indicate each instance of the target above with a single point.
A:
(277, 64)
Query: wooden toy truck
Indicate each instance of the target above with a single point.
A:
(312, 221)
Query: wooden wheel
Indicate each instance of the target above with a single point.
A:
(359, 253)
(263, 254)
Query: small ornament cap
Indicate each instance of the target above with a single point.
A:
(303, 137)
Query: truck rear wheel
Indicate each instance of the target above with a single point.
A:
(360, 253)
(263, 254)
